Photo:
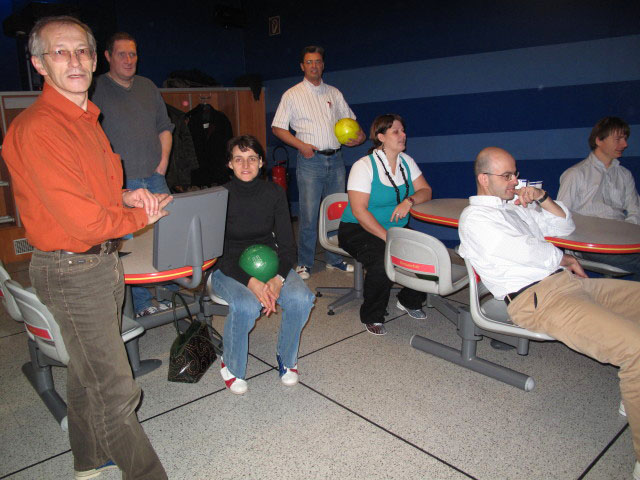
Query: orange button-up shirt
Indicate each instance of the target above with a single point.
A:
(66, 180)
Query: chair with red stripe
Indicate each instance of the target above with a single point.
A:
(7, 299)
(46, 348)
(331, 210)
(419, 261)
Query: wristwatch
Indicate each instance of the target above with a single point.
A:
(281, 278)
(543, 198)
(411, 201)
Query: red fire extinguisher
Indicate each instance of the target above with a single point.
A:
(279, 170)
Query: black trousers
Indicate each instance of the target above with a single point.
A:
(368, 249)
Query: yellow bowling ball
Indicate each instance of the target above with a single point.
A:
(346, 129)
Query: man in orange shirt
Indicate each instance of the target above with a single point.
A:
(68, 188)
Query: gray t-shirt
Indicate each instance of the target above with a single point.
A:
(133, 118)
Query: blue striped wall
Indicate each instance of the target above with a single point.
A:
(537, 102)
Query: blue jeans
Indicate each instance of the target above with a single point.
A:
(317, 177)
(156, 183)
(84, 293)
(296, 301)
(629, 262)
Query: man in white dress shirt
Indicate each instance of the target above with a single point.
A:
(547, 291)
(599, 186)
(312, 108)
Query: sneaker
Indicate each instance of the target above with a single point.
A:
(636, 471)
(343, 266)
(288, 376)
(164, 306)
(94, 472)
(621, 409)
(303, 272)
(376, 328)
(234, 384)
(147, 311)
(417, 314)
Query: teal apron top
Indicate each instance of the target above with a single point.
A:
(382, 199)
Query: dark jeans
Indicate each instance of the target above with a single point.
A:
(84, 294)
(629, 262)
(368, 249)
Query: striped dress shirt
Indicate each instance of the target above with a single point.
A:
(312, 113)
(588, 188)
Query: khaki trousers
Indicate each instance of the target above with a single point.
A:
(597, 317)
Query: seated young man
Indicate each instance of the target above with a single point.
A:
(599, 186)
(547, 291)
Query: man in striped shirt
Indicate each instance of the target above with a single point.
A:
(312, 108)
(599, 186)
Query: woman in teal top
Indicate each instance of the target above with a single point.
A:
(382, 188)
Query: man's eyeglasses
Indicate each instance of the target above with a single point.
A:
(508, 176)
(311, 62)
(63, 56)
(250, 160)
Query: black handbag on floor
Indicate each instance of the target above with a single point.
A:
(192, 352)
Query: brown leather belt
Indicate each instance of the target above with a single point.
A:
(510, 297)
(105, 248)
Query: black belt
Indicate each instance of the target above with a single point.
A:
(105, 248)
(328, 152)
(510, 297)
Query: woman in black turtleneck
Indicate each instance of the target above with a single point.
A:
(258, 213)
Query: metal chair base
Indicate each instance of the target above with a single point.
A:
(470, 334)
(350, 293)
(139, 367)
(38, 372)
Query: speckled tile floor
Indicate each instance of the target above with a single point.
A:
(366, 408)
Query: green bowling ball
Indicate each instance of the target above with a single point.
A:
(259, 261)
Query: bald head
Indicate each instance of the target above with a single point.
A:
(486, 158)
(490, 164)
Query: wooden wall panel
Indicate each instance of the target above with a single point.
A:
(247, 116)
(180, 100)
(252, 116)
(9, 233)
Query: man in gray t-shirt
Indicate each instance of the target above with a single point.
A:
(135, 119)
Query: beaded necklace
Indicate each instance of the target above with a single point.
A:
(393, 184)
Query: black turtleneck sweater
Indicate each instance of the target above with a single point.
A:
(257, 212)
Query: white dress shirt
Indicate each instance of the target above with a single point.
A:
(361, 173)
(312, 112)
(589, 188)
(505, 242)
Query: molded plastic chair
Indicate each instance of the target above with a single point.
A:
(7, 299)
(410, 254)
(331, 210)
(214, 296)
(488, 317)
(47, 349)
(421, 262)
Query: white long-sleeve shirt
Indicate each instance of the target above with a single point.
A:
(588, 188)
(505, 242)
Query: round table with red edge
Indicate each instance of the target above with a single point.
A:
(592, 234)
(137, 260)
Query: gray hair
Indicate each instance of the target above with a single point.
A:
(36, 43)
